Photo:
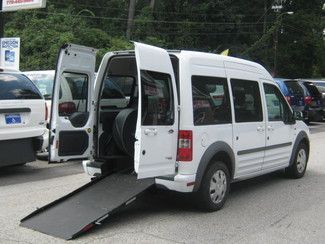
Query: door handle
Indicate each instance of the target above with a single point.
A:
(270, 128)
(260, 128)
(171, 131)
(150, 132)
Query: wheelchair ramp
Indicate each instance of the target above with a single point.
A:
(87, 206)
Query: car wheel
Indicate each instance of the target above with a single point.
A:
(214, 188)
(298, 168)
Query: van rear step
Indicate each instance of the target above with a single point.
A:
(87, 206)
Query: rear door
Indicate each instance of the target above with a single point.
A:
(157, 125)
(71, 126)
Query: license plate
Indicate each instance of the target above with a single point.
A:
(13, 119)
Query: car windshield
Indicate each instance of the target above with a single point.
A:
(44, 82)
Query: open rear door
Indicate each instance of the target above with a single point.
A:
(71, 126)
(157, 125)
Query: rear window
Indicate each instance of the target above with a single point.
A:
(312, 89)
(17, 86)
(320, 86)
(294, 88)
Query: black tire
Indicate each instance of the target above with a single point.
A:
(295, 170)
(42, 157)
(203, 196)
(124, 130)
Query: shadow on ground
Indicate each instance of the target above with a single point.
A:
(161, 202)
(37, 171)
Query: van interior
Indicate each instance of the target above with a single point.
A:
(118, 110)
(117, 114)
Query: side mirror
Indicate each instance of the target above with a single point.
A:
(290, 119)
(298, 115)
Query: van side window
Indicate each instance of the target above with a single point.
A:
(247, 100)
(157, 98)
(211, 103)
(277, 108)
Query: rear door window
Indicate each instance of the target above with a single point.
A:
(73, 93)
(16, 87)
(157, 98)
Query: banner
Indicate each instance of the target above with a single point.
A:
(10, 53)
(13, 5)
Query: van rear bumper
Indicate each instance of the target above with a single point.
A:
(180, 183)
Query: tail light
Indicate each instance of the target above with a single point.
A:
(308, 100)
(46, 112)
(67, 108)
(288, 99)
(185, 145)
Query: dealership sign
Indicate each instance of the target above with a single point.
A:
(10, 53)
(13, 5)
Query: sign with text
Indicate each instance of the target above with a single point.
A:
(13, 5)
(10, 53)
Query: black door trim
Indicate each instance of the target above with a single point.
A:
(259, 149)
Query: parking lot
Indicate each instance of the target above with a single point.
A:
(268, 209)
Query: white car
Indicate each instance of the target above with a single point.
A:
(23, 117)
(195, 121)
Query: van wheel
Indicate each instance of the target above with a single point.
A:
(214, 188)
(299, 165)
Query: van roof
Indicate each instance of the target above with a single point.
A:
(192, 55)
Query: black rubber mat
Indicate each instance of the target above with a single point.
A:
(80, 210)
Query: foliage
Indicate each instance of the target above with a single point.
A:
(247, 28)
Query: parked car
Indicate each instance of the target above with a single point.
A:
(320, 85)
(23, 116)
(315, 109)
(296, 95)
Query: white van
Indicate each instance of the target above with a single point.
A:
(194, 121)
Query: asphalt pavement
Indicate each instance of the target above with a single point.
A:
(267, 209)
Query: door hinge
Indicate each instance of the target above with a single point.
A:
(178, 108)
